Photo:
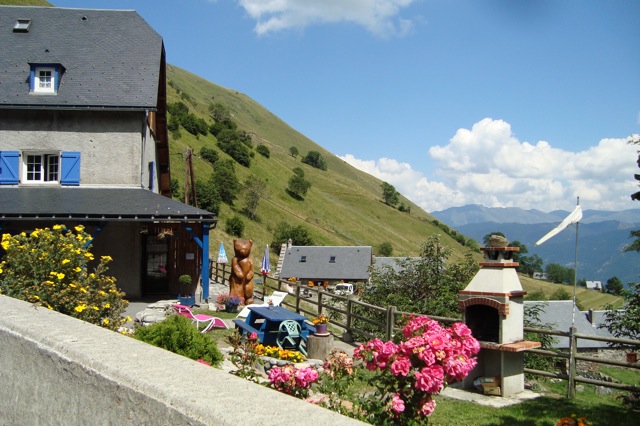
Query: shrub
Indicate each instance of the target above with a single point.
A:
(298, 186)
(315, 159)
(178, 335)
(263, 150)
(209, 155)
(185, 282)
(49, 267)
(235, 226)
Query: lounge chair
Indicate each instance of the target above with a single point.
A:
(276, 298)
(208, 320)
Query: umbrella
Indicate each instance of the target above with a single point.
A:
(222, 255)
(265, 268)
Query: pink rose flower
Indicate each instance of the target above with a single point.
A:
(430, 379)
(397, 404)
(401, 366)
(428, 406)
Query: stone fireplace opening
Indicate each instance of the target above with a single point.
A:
(484, 322)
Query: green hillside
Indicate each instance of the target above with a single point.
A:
(343, 206)
(586, 298)
(25, 3)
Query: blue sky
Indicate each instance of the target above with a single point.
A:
(497, 102)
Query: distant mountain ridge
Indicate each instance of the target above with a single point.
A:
(475, 213)
(601, 238)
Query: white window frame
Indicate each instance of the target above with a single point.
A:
(44, 84)
(41, 167)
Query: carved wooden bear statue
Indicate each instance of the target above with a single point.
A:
(241, 279)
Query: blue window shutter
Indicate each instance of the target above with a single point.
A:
(9, 167)
(70, 170)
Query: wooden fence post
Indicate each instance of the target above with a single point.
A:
(391, 315)
(573, 347)
(320, 302)
(348, 324)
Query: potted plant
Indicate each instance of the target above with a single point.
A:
(228, 302)
(321, 322)
(186, 297)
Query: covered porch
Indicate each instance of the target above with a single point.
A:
(151, 238)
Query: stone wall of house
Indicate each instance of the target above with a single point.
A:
(60, 370)
(110, 142)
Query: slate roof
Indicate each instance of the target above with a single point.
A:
(558, 314)
(82, 203)
(111, 58)
(351, 263)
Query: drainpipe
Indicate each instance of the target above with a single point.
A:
(143, 132)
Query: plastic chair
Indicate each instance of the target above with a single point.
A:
(290, 336)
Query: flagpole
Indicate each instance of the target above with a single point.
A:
(575, 273)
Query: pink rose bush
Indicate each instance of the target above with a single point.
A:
(425, 358)
(408, 372)
(293, 381)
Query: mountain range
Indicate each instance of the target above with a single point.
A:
(602, 236)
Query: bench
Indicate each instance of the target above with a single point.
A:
(311, 328)
(246, 328)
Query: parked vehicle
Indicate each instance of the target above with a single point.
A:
(344, 289)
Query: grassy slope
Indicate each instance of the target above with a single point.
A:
(343, 206)
(25, 3)
(587, 298)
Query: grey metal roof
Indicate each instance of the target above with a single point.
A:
(111, 58)
(350, 263)
(127, 204)
(380, 263)
(559, 313)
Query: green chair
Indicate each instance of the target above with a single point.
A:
(290, 336)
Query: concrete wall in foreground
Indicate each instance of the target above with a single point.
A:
(55, 369)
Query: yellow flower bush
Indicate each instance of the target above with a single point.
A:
(50, 267)
(276, 352)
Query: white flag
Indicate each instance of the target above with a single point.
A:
(574, 217)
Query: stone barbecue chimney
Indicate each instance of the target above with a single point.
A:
(492, 307)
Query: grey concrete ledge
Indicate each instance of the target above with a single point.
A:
(59, 370)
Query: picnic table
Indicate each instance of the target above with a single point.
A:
(265, 322)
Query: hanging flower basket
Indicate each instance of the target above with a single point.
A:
(165, 233)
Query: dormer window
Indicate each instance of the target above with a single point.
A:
(332, 259)
(45, 78)
(22, 26)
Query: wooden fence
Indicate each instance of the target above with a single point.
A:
(343, 310)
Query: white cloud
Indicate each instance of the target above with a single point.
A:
(380, 17)
(487, 165)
